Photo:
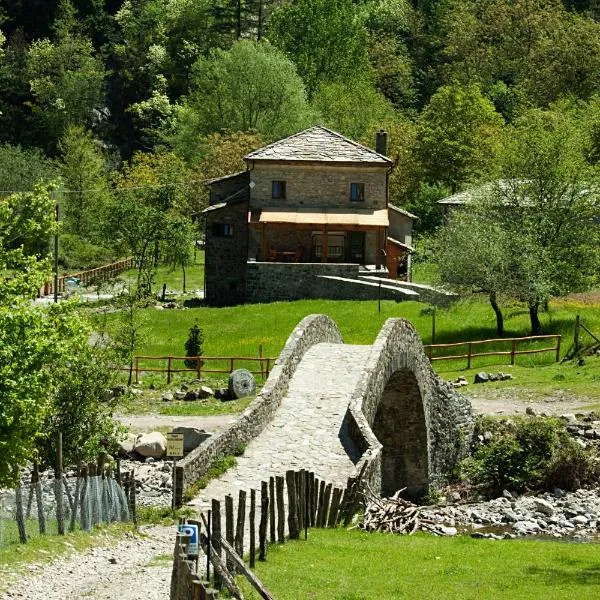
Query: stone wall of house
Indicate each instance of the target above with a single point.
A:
(226, 186)
(439, 419)
(225, 256)
(318, 186)
(313, 329)
(273, 281)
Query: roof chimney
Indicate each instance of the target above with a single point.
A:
(381, 142)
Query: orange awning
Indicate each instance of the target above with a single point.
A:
(325, 216)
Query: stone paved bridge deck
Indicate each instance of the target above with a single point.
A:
(306, 432)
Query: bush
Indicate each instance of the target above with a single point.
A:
(530, 453)
(193, 345)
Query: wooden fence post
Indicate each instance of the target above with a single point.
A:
(137, 369)
(320, 504)
(513, 352)
(280, 510)
(252, 518)
(326, 501)
(216, 535)
(169, 369)
(241, 522)
(558, 348)
(272, 509)
(576, 336)
(335, 506)
(58, 472)
(19, 515)
(469, 350)
(229, 523)
(292, 508)
(264, 516)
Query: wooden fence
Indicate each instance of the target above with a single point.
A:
(226, 364)
(311, 502)
(513, 352)
(102, 273)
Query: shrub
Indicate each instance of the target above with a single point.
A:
(530, 453)
(193, 345)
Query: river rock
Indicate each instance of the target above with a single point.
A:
(127, 444)
(192, 437)
(525, 527)
(481, 377)
(205, 392)
(151, 444)
(168, 397)
(543, 506)
(180, 395)
(191, 395)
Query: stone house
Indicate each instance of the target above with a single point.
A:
(309, 216)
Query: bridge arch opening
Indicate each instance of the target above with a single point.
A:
(400, 427)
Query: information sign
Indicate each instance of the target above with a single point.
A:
(175, 445)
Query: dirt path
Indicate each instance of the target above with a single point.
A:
(512, 401)
(151, 422)
(142, 571)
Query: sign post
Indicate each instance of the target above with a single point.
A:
(174, 451)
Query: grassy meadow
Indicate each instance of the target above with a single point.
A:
(353, 565)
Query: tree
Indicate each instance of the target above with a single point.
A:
(253, 86)
(66, 82)
(34, 341)
(549, 204)
(352, 111)
(84, 173)
(193, 345)
(177, 247)
(151, 192)
(459, 135)
(128, 330)
(475, 255)
(326, 39)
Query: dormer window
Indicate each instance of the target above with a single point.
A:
(278, 190)
(357, 192)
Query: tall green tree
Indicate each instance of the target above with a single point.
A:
(459, 136)
(326, 39)
(253, 86)
(83, 171)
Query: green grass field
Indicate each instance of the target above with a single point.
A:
(353, 565)
(173, 277)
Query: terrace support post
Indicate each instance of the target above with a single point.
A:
(378, 253)
(324, 245)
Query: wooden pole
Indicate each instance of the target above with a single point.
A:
(469, 351)
(513, 351)
(229, 521)
(272, 537)
(576, 337)
(19, 515)
(169, 369)
(292, 508)
(252, 528)
(262, 527)
(58, 471)
(320, 504)
(241, 523)
(280, 510)
(216, 535)
(335, 505)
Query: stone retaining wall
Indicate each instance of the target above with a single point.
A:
(447, 414)
(272, 282)
(313, 329)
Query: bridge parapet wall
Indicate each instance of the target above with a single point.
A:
(313, 329)
(447, 414)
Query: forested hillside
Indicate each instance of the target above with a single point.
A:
(129, 105)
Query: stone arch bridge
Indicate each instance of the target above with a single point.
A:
(336, 409)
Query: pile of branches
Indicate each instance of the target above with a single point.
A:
(395, 515)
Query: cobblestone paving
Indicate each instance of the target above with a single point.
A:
(306, 430)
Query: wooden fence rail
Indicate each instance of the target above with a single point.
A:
(102, 273)
(513, 352)
(228, 364)
(311, 502)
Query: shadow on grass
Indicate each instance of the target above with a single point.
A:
(579, 574)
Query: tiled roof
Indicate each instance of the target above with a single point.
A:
(318, 144)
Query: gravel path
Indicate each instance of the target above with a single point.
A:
(141, 571)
